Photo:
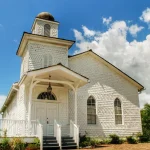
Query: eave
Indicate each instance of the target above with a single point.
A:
(26, 37)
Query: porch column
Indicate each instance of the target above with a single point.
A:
(75, 111)
(30, 97)
(30, 102)
(75, 103)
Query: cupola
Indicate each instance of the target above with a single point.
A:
(45, 24)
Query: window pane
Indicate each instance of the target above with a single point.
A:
(118, 111)
(118, 119)
(47, 30)
(46, 96)
(91, 111)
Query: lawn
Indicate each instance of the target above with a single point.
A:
(140, 146)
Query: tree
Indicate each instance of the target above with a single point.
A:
(145, 116)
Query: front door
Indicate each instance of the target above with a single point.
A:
(46, 113)
(52, 114)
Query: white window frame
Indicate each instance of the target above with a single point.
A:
(95, 111)
(121, 111)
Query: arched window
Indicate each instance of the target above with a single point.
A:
(47, 30)
(91, 110)
(46, 96)
(118, 111)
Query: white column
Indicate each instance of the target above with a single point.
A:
(75, 103)
(30, 102)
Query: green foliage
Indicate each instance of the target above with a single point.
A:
(32, 146)
(94, 142)
(17, 144)
(131, 140)
(5, 144)
(105, 141)
(142, 138)
(36, 142)
(114, 139)
(85, 141)
(145, 115)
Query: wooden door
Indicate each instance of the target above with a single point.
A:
(52, 114)
(41, 115)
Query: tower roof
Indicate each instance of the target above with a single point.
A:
(45, 16)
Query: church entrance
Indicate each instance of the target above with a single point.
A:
(46, 113)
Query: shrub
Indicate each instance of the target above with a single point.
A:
(94, 142)
(84, 141)
(17, 144)
(37, 142)
(142, 138)
(105, 141)
(32, 147)
(5, 144)
(131, 140)
(114, 139)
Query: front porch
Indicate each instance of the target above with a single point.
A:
(29, 130)
(46, 97)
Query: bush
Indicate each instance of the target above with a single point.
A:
(142, 138)
(87, 141)
(131, 140)
(94, 142)
(105, 141)
(32, 147)
(84, 141)
(37, 142)
(114, 139)
(5, 144)
(17, 144)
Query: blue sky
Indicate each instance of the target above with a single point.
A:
(75, 17)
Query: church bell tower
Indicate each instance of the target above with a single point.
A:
(45, 25)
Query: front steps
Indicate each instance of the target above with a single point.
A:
(50, 142)
(68, 143)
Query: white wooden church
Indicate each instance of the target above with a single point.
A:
(60, 96)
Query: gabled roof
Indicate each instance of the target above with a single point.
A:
(111, 66)
(56, 67)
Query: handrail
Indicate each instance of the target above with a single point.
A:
(57, 133)
(74, 132)
(40, 134)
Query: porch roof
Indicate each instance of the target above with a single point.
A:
(60, 73)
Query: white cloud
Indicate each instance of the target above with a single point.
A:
(107, 20)
(145, 16)
(88, 32)
(144, 98)
(134, 29)
(131, 57)
(78, 35)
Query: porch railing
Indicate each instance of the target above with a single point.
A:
(57, 133)
(40, 134)
(18, 128)
(74, 132)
